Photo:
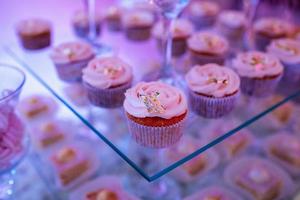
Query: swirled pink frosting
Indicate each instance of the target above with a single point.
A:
(33, 26)
(257, 64)
(209, 42)
(181, 28)
(107, 72)
(287, 50)
(133, 18)
(231, 18)
(273, 27)
(71, 52)
(203, 8)
(11, 140)
(213, 80)
(167, 101)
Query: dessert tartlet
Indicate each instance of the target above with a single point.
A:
(102, 188)
(213, 90)
(268, 29)
(198, 167)
(106, 80)
(214, 192)
(34, 33)
(156, 113)
(202, 13)
(284, 149)
(137, 24)
(37, 106)
(81, 26)
(260, 73)
(259, 179)
(288, 52)
(70, 58)
(207, 47)
(182, 29)
(113, 18)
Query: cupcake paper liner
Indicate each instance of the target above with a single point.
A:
(83, 30)
(291, 75)
(156, 137)
(36, 42)
(201, 59)
(138, 33)
(202, 22)
(114, 25)
(261, 42)
(259, 87)
(71, 72)
(107, 98)
(178, 46)
(210, 107)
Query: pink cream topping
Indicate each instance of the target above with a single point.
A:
(231, 18)
(273, 26)
(134, 18)
(155, 99)
(204, 8)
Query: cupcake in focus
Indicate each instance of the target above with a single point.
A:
(156, 113)
(80, 24)
(268, 29)
(202, 14)
(102, 188)
(113, 18)
(106, 80)
(34, 33)
(196, 168)
(137, 24)
(213, 90)
(214, 192)
(259, 179)
(260, 73)
(182, 29)
(284, 149)
(207, 47)
(70, 58)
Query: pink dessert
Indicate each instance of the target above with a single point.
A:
(106, 80)
(70, 58)
(113, 18)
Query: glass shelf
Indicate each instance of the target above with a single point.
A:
(110, 124)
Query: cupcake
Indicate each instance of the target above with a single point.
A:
(37, 106)
(260, 73)
(81, 26)
(267, 29)
(106, 80)
(34, 33)
(156, 113)
(284, 149)
(102, 188)
(232, 25)
(207, 47)
(181, 31)
(213, 90)
(202, 13)
(198, 167)
(259, 179)
(70, 58)
(288, 52)
(214, 192)
(113, 18)
(233, 146)
(137, 24)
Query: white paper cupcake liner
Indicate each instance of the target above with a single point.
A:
(156, 137)
(107, 98)
(210, 107)
(259, 87)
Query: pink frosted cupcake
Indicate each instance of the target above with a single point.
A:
(288, 52)
(156, 113)
(284, 149)
(203, 13)
(267, 29)
(106, 80)
(213, 90)
(182, 29)
(207, 47)
(137, 24)
(214, 192)
(113, 18)
(259, 179)
(102, 188)
(260, 73)
(70, 58)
